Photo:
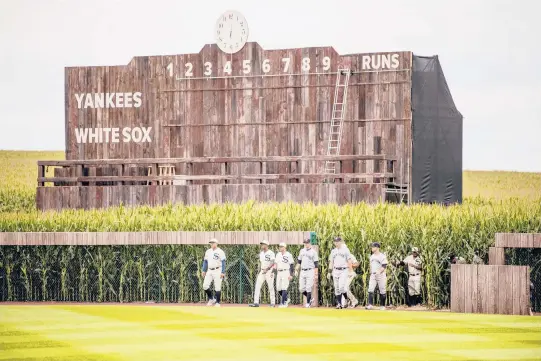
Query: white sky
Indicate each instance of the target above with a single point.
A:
(490, 52)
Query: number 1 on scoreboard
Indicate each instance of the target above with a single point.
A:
(170, 69)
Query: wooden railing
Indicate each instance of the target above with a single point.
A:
(78, 168)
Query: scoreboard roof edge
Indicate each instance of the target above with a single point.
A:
(214, 47)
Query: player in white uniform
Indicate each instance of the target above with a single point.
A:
(213, 271)
(339, 264)
(378, 264)
(266, 273)
(308, 263)
(285, 265)
(415, 265)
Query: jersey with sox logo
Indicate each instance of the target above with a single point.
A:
(214, 257)
(283, 261)
(266, 259)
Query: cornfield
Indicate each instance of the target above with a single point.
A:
(437, 230)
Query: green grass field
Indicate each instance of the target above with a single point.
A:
(155, 333)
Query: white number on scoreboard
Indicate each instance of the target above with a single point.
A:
(374, 62)
(189, 70)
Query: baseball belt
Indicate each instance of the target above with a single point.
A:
(212, 269)
(280, 270)
(306, 269)
(340, 268)
(414, 274)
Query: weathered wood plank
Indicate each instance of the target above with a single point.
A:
(196, 194)
(496, 256)
(457, 288)
(149, 161)
(492, 283)
(518, 240)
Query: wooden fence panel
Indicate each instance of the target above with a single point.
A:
(133, 238)
(518, 240)
(496, 256)
(493, 289)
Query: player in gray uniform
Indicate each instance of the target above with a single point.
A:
(378, 264)
(339, 264)
(308, 263)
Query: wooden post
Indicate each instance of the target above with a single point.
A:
(496, 256)
(154, 172)
(41, 174)
(315, 289)
(225, 171)
(120, 173)
(262, 170)
(79, 174)
(189, 171)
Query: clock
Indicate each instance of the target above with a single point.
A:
(231, 32)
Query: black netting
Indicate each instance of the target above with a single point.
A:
(142, 273)
(436, 136)
(528, 257)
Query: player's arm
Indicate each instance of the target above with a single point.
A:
(383, 265)
(223, 265)
(349, 258)
(205, 264)
(273, 262)
(316, 265)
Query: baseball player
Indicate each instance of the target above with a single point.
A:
(414, 263)
(213, 271)
(308, 263)
(378, 264)
(266, 273)
(285, 265)
(353, 302)
(339, 264)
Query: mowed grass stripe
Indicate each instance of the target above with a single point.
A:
(186, 333)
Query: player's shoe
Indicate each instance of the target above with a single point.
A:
(307, 305)
(369, 307)
(338, 307)
(217, 305)
(272, 305)
(282, 305)
(286, 303)
(353, 304)
(254, 305)
(211, 302)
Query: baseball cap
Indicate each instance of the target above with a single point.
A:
(264, 242)
(375, 244)
(307, 240)
(337, 239)
(282, 244)
(415, 249)
(213, 240)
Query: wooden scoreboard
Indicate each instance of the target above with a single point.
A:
(235, 110)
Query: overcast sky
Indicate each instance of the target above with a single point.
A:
(490, 52)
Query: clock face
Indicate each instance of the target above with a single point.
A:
(231, 32)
